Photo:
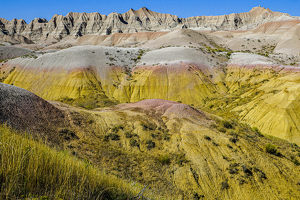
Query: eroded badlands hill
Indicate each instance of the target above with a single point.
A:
(178, 151)
(24, 110)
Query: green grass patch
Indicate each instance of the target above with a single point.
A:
(31, 169)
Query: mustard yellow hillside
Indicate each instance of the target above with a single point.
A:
(251, 87)
(274, 108)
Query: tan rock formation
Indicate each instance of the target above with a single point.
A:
(78, 24)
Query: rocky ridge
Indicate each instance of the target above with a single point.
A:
(142, 20)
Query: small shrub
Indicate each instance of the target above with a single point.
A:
(196, 196)
(224, 157)
(221, 129)
(64, 130)
(213, 142)
(233, 139)
(166, 136)
(233, 168)
(164, 159)
(207, 137)
(256, 131)
(153, 135)
(261, 174)
(106, 138)
(247, 170)
(226, 124)
(241, 181)
(224, 185)
(114, 136)
(213, 125)
(128, 135)
(89, 107)
(296, 162)
(228, 54)
(148, 126)
(134, 143)
(180, 158)
(270, 148)
(67, 134)
(150, 144)
(115, 129)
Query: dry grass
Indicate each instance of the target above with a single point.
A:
(31, 169)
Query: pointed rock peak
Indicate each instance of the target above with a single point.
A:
(84, 16)
(113, 14)
(143, 12)
(259, 8)
(131, 11)
(96, 13)
(40, 20)
(96, 16)
(144, 8)
(69, 14)
(23, 21)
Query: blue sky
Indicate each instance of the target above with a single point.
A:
(30, 9)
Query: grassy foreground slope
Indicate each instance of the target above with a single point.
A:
(31, 169)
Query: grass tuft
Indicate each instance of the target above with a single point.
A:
(31, 169)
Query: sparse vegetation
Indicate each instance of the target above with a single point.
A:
(30, 56)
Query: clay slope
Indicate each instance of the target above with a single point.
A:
(142, 20)
(12, 52)
(116, 39)
(126, 75)
(285, 32)
(24, 110)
